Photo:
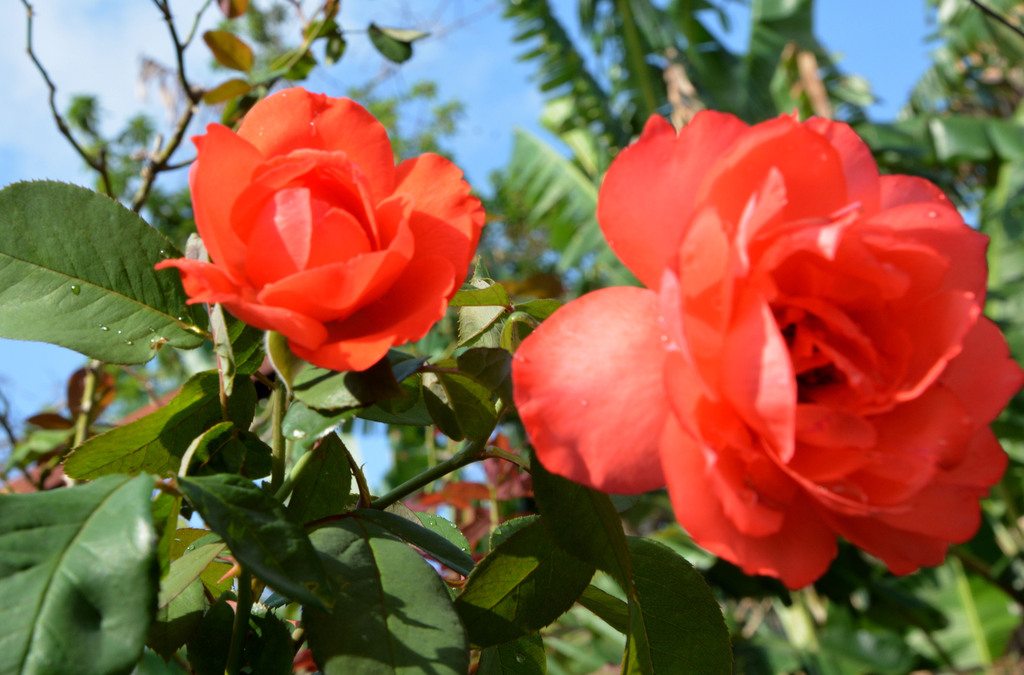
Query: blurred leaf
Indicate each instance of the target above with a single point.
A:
(392, 613)
(522, 585)
(674, 618)
(226, 90)
(260, 535)
(229, 50)
(524, 656)
(78, 577)
(157, 442)
(76, 270)
(323, 487)
(233, 8)
(394, 44)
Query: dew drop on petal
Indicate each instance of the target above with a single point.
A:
(932, 214)
(584, 402)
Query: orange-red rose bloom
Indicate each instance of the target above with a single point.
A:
(313, 231)
(808, 358)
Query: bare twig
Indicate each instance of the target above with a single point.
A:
(159, 159)
(97, 161)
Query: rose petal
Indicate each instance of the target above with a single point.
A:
(203, 282)
(862, 180)
(588, 387)
(797, 553)
(223, 168)
(806, 160)
(667, 170)
(984, 376)
(757, 375)
(334, 292)
(446, 220)
(279, 244)
(295, 119)
(301, 330)
(414, 303)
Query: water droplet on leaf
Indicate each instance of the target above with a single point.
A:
(75, 289)
(129, 343)
(102, 327)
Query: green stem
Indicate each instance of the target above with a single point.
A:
(472, 452)
(85, 405)
(277, 443)
(240, 628)
(293, 476)
(963, 589)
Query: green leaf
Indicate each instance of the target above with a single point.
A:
(76, 270)
(178, 620)
(225, 449)
(329, 390)
(524, 656)
(229, 50)
(446, 529)
(607, 607)
(490, 367)
(584, 522)
(78, 578)
(186, 570)
(305, 424)
(227, 90)
(522, 585)
(157, 442)
(394, 44)
(674, 618)
(187, 540)
(439, 547)
(460, 406)
(490, 294)
(481, 306)
(324, 484)
(260, 535)
(392, 613)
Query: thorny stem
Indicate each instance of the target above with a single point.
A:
(240, 628)
(365, 498)
(96, 162)
(473, 451)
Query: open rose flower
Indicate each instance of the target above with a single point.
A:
(313, 231)
(808, 359)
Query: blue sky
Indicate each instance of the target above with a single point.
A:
(95, 46)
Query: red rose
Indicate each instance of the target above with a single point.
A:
(313, 231)
(808, 359)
